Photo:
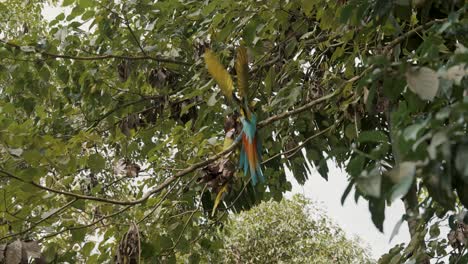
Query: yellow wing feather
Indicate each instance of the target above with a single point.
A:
(223, 189)
(219, 73)
(242, 70)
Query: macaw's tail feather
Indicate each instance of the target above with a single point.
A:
(251, 151)
(250, 159)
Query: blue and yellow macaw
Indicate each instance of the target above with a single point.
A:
(250, 154)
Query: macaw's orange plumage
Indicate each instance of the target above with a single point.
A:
(250, 156)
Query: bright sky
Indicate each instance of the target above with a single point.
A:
(355, 219)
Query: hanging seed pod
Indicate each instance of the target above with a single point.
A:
(129, 249)
(124, 70)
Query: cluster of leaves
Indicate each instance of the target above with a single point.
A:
(378, 86)
(290, 231)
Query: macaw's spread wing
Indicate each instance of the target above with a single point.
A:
(219, 73)
(242, 70)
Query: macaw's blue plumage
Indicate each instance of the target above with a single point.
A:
(251, 151)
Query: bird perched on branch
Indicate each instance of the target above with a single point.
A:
(250, 154)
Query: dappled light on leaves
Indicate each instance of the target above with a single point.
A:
(136, 113)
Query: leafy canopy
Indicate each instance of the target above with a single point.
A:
(108, 115)
(290, 231)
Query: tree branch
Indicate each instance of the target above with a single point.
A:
(102, 57)
(186, 223)
(87, 225)
(40, 221)
(408, 34)
(181, 173)
(299, 147)
(157, 205)
(120, 107)
(297, 110)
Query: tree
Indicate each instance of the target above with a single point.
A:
(290, 231)
(108, 116)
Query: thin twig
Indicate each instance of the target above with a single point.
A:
(40, 221)
(159, 203)
(127, 23)
(299, 147)
(186, 224)
(85, 226)
(410, 33)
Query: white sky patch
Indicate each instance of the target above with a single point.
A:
(354, 219)
(51, 12)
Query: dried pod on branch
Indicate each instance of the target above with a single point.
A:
(129, 249)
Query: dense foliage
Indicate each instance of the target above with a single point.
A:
(288, 232)
(108, 117)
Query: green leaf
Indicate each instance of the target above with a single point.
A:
(212, 101)
(68, 2)
(63, 74)
(346, 13)
(32, 156)
(434, 231)
(80, 204)
(337, 54)
(373, 136)
(461, 162)
(33, 174)
(76, 11)
(350, 131)
(270, 81)
(88, 14)
(165, 242)
(438, 139)
(411, 132)
(396, 229)
(15, 151)
(86, 3)
(356, 165)
(369, 182)
(96, 162)
(346, 192)
(60, 16)
(394, 256)
(403, 176)
(423, 81)
(78, 235)
(250, 31)
(86, 249)
(377, 209)
(382, 8)
(291, 47)
(307, 6)
(392, 87)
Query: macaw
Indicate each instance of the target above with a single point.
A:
(251, 149)
(250, 155)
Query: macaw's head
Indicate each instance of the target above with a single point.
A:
(232, 121)
(248, 110)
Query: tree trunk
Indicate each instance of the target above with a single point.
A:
(410, 200)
